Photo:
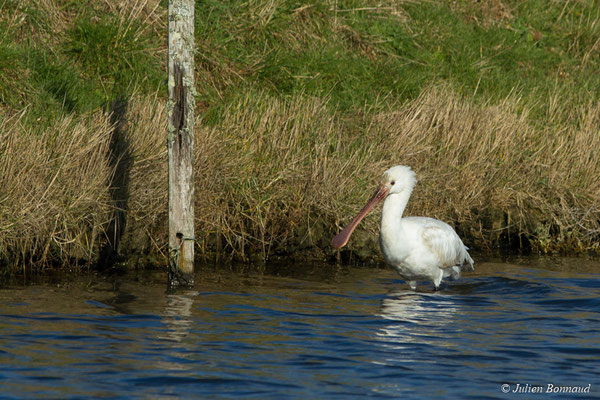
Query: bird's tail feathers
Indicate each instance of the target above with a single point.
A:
(468, 262)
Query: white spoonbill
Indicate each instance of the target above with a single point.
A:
(419, 248)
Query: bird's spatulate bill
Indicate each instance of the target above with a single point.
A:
(341, 238)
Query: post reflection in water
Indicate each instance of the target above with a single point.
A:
(177, 315)
(178, 323)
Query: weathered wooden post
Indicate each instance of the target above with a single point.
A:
(180, 142)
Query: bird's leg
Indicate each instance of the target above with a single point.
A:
(438, 280)
(413, 285)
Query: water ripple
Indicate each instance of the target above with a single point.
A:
(366, 335)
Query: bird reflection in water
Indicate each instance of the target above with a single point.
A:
(416, 318)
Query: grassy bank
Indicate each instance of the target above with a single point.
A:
(300, 109)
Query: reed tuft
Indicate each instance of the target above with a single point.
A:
(54, 192)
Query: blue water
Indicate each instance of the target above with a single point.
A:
(316, 332)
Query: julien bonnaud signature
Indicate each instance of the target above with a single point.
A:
(547, 388)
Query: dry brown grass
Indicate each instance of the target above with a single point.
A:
(279, 175)
(265, 178)
(40, 23)
(137, 18)
(261, 176)
(489, 13)
(147, 198)
(478, 162)
(54, 196)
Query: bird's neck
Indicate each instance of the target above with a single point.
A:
(393, 208)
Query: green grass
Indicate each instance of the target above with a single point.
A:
(67, 57)
(363, 53)
(121, 56)
(356, 53)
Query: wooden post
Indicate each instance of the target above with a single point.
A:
(180, 142)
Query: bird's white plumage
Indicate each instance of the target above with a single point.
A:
(419, 248)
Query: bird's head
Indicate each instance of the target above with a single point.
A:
(398, 179)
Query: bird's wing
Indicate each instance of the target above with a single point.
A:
(443, 242)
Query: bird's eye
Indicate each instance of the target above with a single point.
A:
(393, 182)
